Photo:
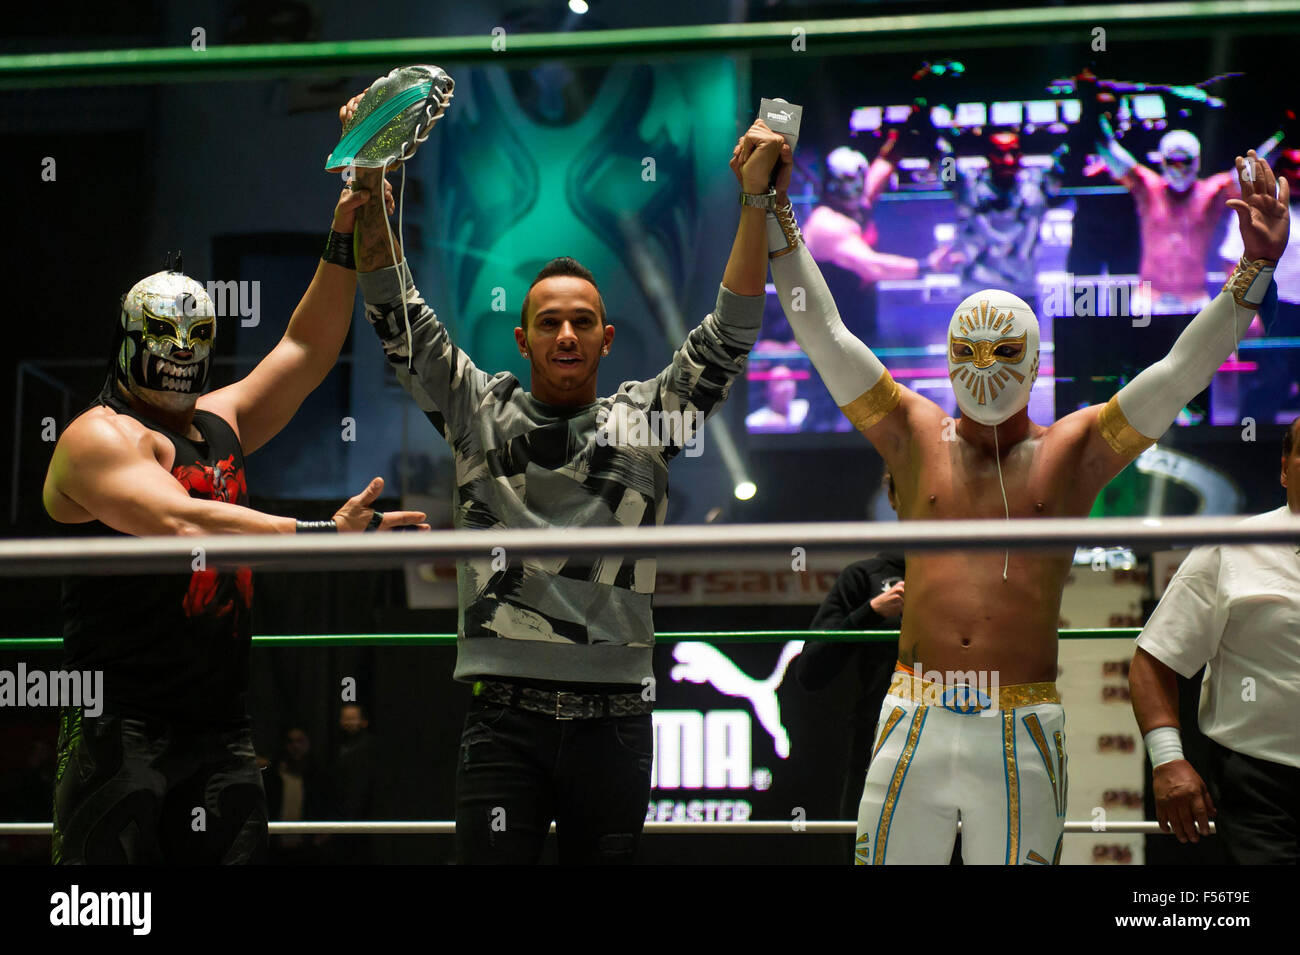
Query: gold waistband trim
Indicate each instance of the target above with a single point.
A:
(971, 698)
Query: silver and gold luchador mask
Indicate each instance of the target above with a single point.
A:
(168, 324)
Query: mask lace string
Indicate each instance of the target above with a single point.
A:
(401, 266)
(1006, 558)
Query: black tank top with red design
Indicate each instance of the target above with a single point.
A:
(172, 647)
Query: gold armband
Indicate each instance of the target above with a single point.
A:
(869, 408)
(1124, 439)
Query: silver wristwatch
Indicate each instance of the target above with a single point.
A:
(763, 200)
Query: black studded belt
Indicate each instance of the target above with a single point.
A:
(563, 704)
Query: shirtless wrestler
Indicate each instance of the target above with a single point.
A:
(989, 621)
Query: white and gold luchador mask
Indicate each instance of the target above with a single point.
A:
(992, 355)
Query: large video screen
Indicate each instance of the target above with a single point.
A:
(1101, 203)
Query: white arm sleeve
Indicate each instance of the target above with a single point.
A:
(847, 366)
(1149, 403)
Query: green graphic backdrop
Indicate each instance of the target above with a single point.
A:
(535, 164)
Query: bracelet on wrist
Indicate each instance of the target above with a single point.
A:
(338, 250)
(759, 200)
(317, 527)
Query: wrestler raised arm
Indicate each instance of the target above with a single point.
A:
(1178, 213)
(156, 456)
(855, 377)
(116, 465)
(1145, 408)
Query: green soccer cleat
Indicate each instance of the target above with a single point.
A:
(393, 118)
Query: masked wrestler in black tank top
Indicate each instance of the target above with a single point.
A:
(170, 646)
(172, 741)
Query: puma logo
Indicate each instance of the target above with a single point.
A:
(704, 663)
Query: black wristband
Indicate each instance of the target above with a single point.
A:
(338, 250)
(317, 527)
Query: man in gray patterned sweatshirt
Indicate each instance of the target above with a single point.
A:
(559, 649)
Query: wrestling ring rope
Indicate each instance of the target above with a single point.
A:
(135, 555)
(33, 558)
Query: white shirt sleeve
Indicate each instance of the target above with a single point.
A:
(1185, 628)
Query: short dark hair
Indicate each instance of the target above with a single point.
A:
(1288, 438)
(564, 265)
(888, 481)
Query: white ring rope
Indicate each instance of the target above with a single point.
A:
(127, 555)
(749, 828)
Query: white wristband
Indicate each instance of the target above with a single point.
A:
(1165, 744)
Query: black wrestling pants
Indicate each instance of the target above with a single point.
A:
(1259, 808)
(145, 792)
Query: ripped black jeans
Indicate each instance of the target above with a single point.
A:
(518, 771)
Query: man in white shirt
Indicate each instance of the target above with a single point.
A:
(1236, 608)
